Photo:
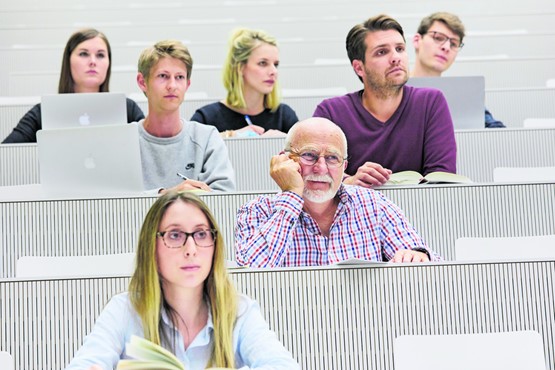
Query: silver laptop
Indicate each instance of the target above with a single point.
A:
(83, 110)
(465, 96)
(97, 160)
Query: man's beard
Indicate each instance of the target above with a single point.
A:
(319, 196)
(384, 87)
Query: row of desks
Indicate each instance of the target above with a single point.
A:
(329, 317)
(441, 213)
(512, 106)
(478, 153)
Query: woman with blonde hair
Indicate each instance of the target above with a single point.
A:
(180, 297)
(250, 75)
(86, 68)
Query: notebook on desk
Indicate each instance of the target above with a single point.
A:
(465, 96)
(83, 110)
(97, 160)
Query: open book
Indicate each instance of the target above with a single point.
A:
(413, 177)
(148, 356)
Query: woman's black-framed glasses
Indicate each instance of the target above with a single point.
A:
(176, 238)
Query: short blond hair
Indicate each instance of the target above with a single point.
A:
(162, 49)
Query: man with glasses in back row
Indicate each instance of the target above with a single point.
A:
(437, 43)
(316, 219)
(390, 127)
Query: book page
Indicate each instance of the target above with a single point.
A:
(144, 365)
(148, 355)
(358, 261)
(404, 178)
(446, 177)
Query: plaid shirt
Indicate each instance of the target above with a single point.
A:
(276, 231)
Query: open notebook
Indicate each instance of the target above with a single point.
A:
(83, 110)
(465, 96)
(96, 160)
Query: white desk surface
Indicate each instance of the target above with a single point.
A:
(35, 192)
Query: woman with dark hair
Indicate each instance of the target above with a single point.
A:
(180, 297)
(86, 68)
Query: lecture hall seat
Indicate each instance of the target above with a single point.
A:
(539, 123)
(506, 248)
(523, 174)
(484, 351)
(74, 266)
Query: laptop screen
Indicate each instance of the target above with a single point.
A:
(97, 160)
(83, 110)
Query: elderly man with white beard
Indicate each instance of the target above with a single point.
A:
(316, 219)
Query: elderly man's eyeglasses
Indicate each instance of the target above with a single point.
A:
(310, 158)
(441, 38)
(177, 238)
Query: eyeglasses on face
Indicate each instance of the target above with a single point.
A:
(177, 238)
(310, 158)
(441, 38)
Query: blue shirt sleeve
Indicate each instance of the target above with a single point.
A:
(105, 344)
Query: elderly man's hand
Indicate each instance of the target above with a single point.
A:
(368, 175)
(408, 255)
(287, 173)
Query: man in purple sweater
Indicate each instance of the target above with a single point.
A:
(390, 127)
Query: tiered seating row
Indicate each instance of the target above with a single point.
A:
(330, 318)
(303, 101)
(31, 14)
(306, 32)
(511, 106)
(293, 50)
(500, 72)
(441, 214)
(478, 153)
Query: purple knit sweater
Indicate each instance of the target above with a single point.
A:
(419, 136)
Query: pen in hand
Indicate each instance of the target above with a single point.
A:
(255, 131)
(248, 120)
(191, 184)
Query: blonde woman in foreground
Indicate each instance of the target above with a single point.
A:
(181, 297)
